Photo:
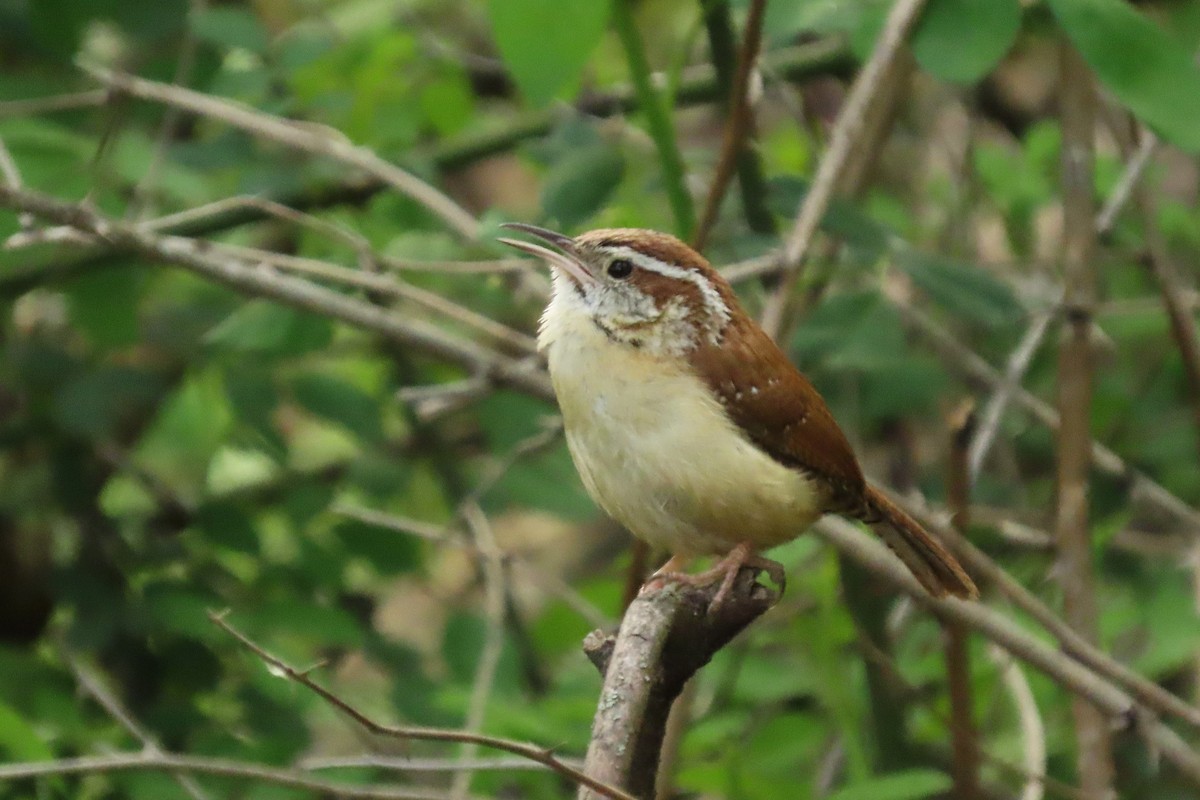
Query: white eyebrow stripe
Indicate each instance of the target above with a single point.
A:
(712, 298)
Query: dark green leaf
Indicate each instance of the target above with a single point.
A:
(911, 784)
(579, 185)
(962, 40)
(263, 327)
(388, 551)
(1150, 72)
(964, 289)
(340, 402)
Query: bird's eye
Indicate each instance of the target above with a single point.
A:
(620, 268)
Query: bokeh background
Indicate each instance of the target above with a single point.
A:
(170, 446)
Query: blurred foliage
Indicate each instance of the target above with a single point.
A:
(170, 447)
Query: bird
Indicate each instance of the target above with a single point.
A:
(688, 424)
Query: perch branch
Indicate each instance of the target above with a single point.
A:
(665, 636)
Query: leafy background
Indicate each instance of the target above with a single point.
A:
(171, 446)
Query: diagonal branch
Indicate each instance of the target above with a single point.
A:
(541, 755)
(194, 255)
(846, 130)
(309, 138)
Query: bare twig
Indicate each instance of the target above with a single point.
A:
(533, 752)
(51, 103)
(1075, 375)
(94, 685)
(191, 254)
(222, 767)
(11, 175)
(964, 736)
(554, 585)
(1033, 731)
(1130, 178)
(299, 136)
(495, 592)
(1120, 710)
(408, 764)
(141, 203)
(977, 371)
(993, 412)
(739, 125)
(901, 18)
(982, 567)
(386, 285)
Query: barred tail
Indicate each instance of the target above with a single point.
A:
(927, 558)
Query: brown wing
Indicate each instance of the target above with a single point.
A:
(780, 410)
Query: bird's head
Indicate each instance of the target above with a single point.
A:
(645, 289)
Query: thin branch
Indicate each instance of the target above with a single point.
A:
(308, 138)
(1121, 711)
(739, 124)
(1074, 568)
(11, 176)
(227, 768)
(1033, 730)
(94, 685)
(533, 752)
(698, 85)
(386, 285)
(662, 128)
(1135, 167)
(140, 202)
(983, 568)
(496, 592)
(1014, 372)
(963, 732)
(35, 106)
(406, 764)
(527, 376)
(979, 372)
(850, 121)
(551, 583)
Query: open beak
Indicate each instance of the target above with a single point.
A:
(568, 261)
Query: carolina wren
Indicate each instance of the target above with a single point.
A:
(688, 424)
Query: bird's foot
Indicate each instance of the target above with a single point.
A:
(726, 571)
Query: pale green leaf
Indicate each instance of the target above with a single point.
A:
(1149, 71)
(546, 43)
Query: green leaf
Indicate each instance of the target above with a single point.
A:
(546, 43)
(388, 551)
(965, 289)
(104, 303)
(1149, 71)
(263, 327)
(853, 331)
(339, 402)
(230, 27)
(911, 784)
(579, 185)
(19, 740)
(962, 40)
